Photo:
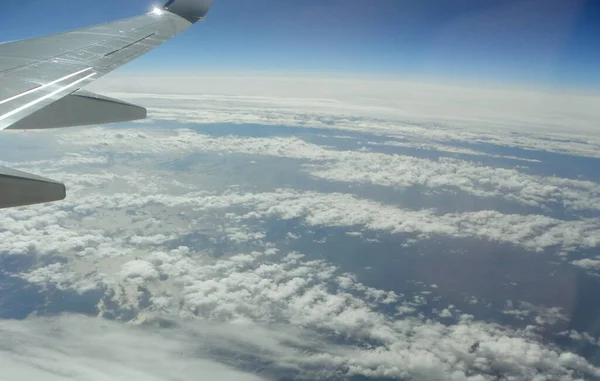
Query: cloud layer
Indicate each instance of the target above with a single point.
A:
(173, 232)
(73, 348)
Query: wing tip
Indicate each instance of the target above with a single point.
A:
(191, 10)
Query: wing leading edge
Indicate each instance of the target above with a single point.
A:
(41, 82)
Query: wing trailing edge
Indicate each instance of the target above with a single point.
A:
(19, 189)
(81, 108)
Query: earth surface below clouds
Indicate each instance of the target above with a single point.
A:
(292, 238)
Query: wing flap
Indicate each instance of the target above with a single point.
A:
(81, 108)
(20, 188)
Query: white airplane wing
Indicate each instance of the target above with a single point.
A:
(41, 83)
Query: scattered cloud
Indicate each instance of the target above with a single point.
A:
(304, 302)
(582, 337)
(138, 272)
(391, 170)
(542, 315)
(533, 232)
(482, 181)
(446, 148)
(268, 288)
(587, 263)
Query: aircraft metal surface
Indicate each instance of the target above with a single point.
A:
(41, 83)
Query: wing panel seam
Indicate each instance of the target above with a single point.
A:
(130, 44)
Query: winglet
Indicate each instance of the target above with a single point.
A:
(191, 10)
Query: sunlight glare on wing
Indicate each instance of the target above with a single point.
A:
(157, 11)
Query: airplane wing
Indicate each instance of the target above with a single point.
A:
(41, 82)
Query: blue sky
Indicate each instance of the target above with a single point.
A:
(524, 42)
